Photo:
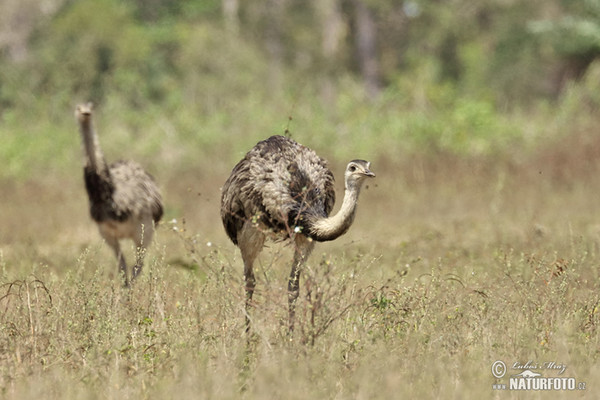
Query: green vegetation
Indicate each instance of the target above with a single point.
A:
(173, 82)
(477, 241)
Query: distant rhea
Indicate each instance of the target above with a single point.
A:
(285, 191)
(124, 199)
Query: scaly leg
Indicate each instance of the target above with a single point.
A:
(250, 241)
(302, 249)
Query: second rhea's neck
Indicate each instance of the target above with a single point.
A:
(93, 152)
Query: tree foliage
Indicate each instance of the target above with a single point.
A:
(461, 68)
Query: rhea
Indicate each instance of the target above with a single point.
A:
(285, 191)
(124, 199)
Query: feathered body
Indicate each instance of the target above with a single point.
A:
(280, 184)
(124, 199)
(123, 192)
(284, 190)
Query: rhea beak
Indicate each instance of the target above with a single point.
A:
(369, 174)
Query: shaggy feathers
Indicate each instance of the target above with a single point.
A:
(277, 184)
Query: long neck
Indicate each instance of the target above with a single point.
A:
(331, 228)
(93, 153)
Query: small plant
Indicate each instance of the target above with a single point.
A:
(24, 300)
(330, 295)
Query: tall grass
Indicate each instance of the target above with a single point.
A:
(431, 335)
(450, 266)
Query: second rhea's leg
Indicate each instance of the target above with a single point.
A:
(303, 246)
(142, 239)
(114, 244)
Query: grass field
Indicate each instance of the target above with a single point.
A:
(450, 266)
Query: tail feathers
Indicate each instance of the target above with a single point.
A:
(157, 212)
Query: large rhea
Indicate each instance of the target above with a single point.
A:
(124, 199)
(284, 190)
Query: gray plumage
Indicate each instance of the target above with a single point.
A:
(284, 190)
(124, 199)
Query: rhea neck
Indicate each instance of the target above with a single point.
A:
(330, 228)
(93, 153)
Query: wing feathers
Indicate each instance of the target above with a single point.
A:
(276, 182)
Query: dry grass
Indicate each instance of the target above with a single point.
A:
(450, 266)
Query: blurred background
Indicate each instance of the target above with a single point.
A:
(466, 109)
(179, 81)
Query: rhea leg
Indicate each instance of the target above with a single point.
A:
(114, 244)
(142, 239)
(250, 241)
(303, 246)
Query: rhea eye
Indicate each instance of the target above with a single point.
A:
(352, 168)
